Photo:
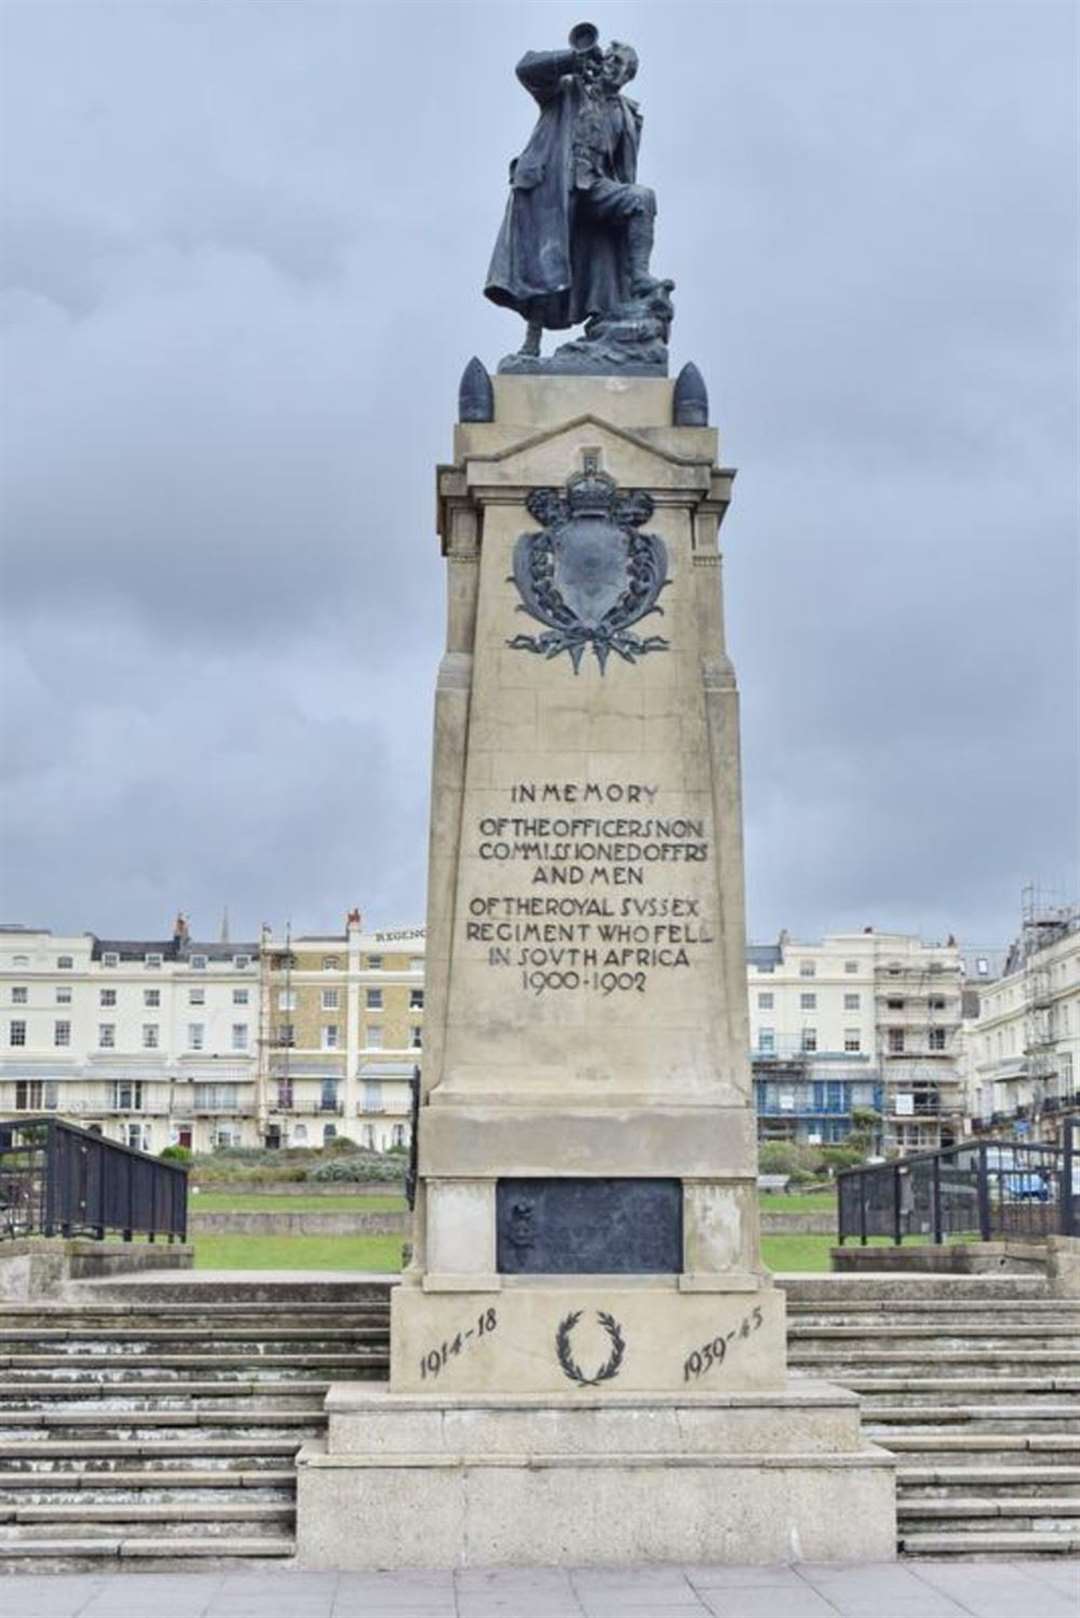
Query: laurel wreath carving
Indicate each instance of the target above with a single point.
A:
(566, 1359)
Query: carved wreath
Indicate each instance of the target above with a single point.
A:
(566, 1359)
(589, 574)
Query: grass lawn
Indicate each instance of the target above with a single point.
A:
(798, 1203)
(254, 1202)
(298, 1253)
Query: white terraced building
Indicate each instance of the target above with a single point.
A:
(1023, 1048)
(159, 1042)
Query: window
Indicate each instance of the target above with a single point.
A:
(893, 969)
(241, 962)
(936, 1002)
(286, 1000)
(808, 1002)
(300, 1135)
(329, 1133)
(328, 1096)
(373, 1098)
(196, 1035)
(330, 1036)
(896, 1040)
(330, 999)
(35, 1095)
(239, 1036)
(766, 1040)
(110, 958)
(63, 995)
(894, 1005)
(138, 1137)
(852, 1039)
(807, 969)
(127, 1095)
(416, 1036)
(106, 1036)
(64, 963)
(240, 997)
(152, 962)
(936, 1039)
(1067, 1072)
(851, 966)
(769, 967)
(765, 1002)
(399, 1134)
(286, 1034)
(61, 1033)
(416, 999)
(285, 1097)
(374, 999)
(851, 1002)
(20, 996)
(375, 962)
(224, 1135)
(809, 1039)
(17, 1033)
(198, 963)
(20, 960)
(369, 1137)
(216, 1097)
(374, 1037)
(196, 997)
(331, 963)
(150, 1031)
(106, 997)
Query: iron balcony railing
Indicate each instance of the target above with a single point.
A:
(987, 1191)
(56, 1179)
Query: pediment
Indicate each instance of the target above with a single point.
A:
(548, 456)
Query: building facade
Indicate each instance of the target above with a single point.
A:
(152, 1042)
(1023, 1047)
(854, 1023)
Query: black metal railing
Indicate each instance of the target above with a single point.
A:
(988, 1191)
(57, 1180)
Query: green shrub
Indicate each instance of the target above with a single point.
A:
(842, 1157)
(357, 1166)
(176, 1154)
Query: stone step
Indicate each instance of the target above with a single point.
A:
(70, 1553)
(28, 1454)
(238, 1338)
(1000, 1361)
(270, 1309)
(357, 1364)
(945, 1333)
(227, 1287)
(1064, 1418)
(1019, 1474)
(984, 1389)
(839, 1291)
(120, 1397)
(1042, 1444)
(179, 1513)
(16, 1534)
(1002, 1308)
(62, 1424)
(101, 1484)
(175, 1388)
(1043, 1513)
(974, 1545)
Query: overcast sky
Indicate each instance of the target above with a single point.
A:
(245, 251)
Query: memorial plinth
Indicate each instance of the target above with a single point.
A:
(587, 1357)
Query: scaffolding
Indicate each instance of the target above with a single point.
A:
(1042, 924)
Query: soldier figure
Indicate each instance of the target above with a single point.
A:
(578, 232)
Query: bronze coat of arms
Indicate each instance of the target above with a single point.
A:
(589, 574)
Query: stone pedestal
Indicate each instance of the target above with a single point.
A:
(585, 1238)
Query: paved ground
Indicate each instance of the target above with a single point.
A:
(1044, 1589)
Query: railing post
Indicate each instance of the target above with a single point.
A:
(1067, 1219)
(863, 1178)
(935, 1192)
(983, 1186)
(898, 1235)
(49, 1169)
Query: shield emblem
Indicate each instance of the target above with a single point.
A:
(589, 574)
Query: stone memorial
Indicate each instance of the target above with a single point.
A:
(587, 1355)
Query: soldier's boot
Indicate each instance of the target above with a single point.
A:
(533, 333)
(639, 244)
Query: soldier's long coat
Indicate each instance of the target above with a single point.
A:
(548, 265)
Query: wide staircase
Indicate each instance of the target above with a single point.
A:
(974, 1383)
(157, 1423)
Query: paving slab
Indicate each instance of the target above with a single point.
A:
(922, 1589)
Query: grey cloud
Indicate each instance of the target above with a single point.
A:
(245, 250)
